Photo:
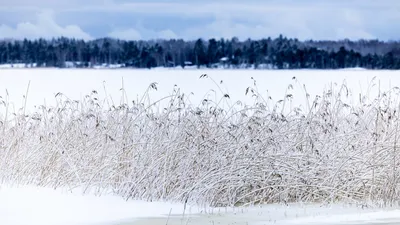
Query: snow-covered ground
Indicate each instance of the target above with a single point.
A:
(17, 65)
(370, 217)
(44, 84)
(31, 206)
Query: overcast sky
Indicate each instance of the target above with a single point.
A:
(191, 19)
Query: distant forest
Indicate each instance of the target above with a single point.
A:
(268, 53)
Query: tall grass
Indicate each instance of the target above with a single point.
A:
(208, 153)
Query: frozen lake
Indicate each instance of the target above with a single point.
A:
(75, 83)
(44, 206)
(282, 215)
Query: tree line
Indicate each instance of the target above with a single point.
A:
(272, 53)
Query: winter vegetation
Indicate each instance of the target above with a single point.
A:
(215, 152)
(268, 53)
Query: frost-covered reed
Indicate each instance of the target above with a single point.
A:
(327, 151)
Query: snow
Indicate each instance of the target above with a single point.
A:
(42, 206)
(108, 66)
(18, 65)
(377, 217)
(76, 83)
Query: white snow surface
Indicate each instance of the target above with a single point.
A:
(29, 205)
(76, 83)
(17, 65)
(377, 217)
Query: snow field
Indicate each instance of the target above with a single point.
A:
(32, 205)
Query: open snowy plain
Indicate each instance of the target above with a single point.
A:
(67, 151)
(76, 83)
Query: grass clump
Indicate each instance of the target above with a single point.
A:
(327, 151)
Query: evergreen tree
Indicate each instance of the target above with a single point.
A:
(280, 53)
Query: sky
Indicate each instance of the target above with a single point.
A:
(193, 19)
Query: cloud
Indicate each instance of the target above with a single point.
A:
(309, 19)
(141, 33)
(306, 19)
(49, 4)
(128, 34)
(167, 34)
(44, 27)
(332, 24)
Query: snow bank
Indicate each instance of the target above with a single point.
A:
(18, 65)
(30, 205)
(76, 83)
(377, 217)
